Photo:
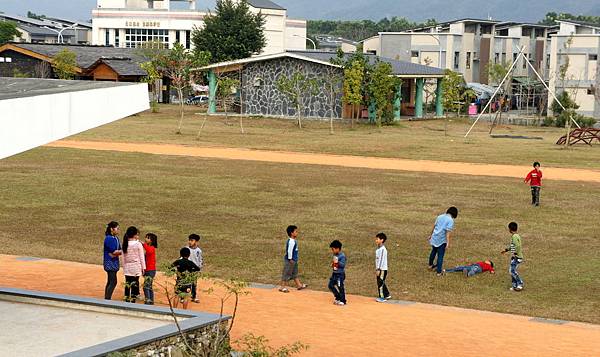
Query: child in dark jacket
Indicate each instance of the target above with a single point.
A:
(336, 282)
(185, 278)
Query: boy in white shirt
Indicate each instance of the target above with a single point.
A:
(381, 268)
(196, 258)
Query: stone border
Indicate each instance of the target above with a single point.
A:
(192, 320)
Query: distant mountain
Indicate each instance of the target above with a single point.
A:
(441, 10)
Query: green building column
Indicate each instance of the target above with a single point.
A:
(419, 98)
(372, 111)
(212, 92)
(439, 94)
(397, 102)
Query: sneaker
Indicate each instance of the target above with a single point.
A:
(512, 289)
(519, 288)
(335, 302)
(388, 297)
(432, 267)
(380, 300)
(440, 274)
(196, 301)
(340, 303)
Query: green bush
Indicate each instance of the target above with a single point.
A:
(566, 101)
(548, 121)
(582, 120)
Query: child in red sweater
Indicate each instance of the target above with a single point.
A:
(150, 251)
(534, 177)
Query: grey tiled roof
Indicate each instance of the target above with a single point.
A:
(400, 68)
(265, 4)
(123, 59)
(124, 67)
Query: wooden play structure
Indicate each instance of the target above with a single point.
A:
(581, 135)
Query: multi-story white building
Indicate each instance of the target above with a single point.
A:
(129, 23)
(574, 53)
(467, 46)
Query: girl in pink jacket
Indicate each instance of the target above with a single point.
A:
(134, 263)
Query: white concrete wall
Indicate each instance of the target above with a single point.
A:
(34, 121)
(295, 35)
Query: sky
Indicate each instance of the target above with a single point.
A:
(442, 10)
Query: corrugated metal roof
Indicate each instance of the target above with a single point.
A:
(399, 68)
(35, 30)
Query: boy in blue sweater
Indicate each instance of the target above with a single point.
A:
(336, 282)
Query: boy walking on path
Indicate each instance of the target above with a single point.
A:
(381, 268)
(196, 258)
(336, 282)
(473, 269)
(516, 258)
(290, 261)
(440, 238)
(534, 177)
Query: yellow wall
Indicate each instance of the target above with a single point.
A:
(577, 64)
(585, 101)
(372, 44)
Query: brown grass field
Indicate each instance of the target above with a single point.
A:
(424, 140)
(55, 203)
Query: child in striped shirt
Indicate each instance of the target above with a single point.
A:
(516, 258)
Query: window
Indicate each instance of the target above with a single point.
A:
(496, 58)
(593, 57)
(8, 59)
(188, 39)
(547, 61)
(525, 56)
(117, 38)
(456, 59)
(1, 59)
(137, 37)
(591, 90)
(468, 62)
(106, 37)
(515, 55)
(178, 36)
(475, 58)
(414, 54)
(503, 57)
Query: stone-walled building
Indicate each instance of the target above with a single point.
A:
(260, 95)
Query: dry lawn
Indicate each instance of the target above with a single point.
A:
(412, 140)
(55, 202)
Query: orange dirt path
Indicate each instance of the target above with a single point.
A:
(462, 168)
(361, 328)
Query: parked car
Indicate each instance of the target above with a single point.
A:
(197, 100)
